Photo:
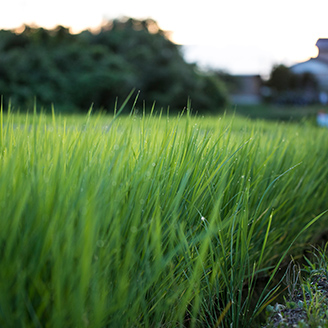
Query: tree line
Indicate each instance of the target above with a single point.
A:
(72, 72)
(288, 88)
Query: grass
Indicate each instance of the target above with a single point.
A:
(151, 221)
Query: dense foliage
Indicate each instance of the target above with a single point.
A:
(75, 71)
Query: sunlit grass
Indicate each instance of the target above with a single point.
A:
(150, 221)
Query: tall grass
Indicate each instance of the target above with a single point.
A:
(150, 221)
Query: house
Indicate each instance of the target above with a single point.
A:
(247, 90)
(318, 67)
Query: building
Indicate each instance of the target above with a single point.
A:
(247, 90)
(318, 67)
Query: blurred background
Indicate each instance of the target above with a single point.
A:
(259, 58)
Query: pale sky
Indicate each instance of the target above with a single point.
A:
(239, 36)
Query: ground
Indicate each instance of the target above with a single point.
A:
(305, 306)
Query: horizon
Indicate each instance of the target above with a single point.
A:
(236, 37)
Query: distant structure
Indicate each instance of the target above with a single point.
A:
(318, 67)
(247, 91)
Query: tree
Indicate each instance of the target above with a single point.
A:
(281, 78)
(74, 71)
(289, 88)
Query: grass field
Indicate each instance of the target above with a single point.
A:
(279, 112)
(150, 221)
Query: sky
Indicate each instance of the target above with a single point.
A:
(237, 36)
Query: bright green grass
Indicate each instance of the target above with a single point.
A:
(150, 221)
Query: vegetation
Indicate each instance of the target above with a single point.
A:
(288, 88)
(75, 71)
(150, 221)
(306, 305)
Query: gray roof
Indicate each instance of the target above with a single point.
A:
(322, 44)
(317, 60)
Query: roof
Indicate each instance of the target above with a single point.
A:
(322, 44)
(313, 65)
